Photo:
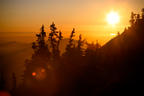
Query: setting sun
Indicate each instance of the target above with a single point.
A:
(113, 18)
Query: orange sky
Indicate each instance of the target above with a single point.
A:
(87, 16)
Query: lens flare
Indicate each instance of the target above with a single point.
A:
(33, 73)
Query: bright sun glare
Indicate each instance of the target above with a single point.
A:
(113, 18)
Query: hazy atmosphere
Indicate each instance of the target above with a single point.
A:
(71, 47)
(87, 16)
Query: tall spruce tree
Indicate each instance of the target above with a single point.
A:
(40, 46)
(55, 37)
(79, 46)
(70, 46)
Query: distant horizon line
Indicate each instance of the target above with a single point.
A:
(16, 32)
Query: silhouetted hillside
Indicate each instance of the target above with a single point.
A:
(122, 60)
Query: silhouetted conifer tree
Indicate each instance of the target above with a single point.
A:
(59, 39)
(92, 49)
(55, 37)
(70, 46)
(132, 20)
(40, 47)
(98, 45)
(79, 48)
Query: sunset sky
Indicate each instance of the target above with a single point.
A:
(87, 16)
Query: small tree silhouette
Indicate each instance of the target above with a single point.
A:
(98, 46)
(132, 20)
(59, 39)
(70, 46)
(79, 48)
(92, 49)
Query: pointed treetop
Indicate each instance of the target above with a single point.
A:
(42, 25)
(73, 31)
(97, 45)
(42, 28)
(52, 26)
(60, 35)
(80, 36)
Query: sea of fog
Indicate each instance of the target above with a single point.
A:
(15, 48)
